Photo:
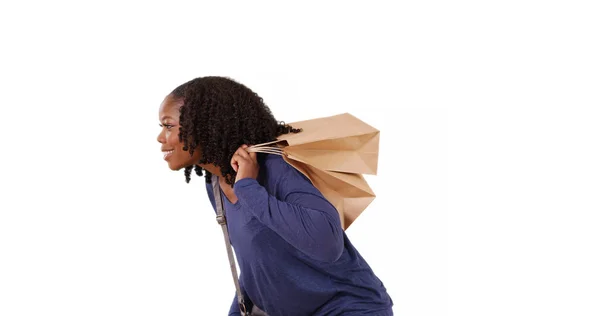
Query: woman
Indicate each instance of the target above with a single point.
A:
(294, 256)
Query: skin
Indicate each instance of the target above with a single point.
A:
(244, 163)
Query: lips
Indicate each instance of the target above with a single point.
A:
(167, 153)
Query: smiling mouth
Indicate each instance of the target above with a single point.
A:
(167, 153)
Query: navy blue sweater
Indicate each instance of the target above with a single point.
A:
(294, 257)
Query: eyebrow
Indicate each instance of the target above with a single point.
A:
(165, 117)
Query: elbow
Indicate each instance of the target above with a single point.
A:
(331, 249)
(332, 254)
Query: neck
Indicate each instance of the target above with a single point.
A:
(212, 169)
(215, 170)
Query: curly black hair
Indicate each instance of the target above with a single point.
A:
(217, 117)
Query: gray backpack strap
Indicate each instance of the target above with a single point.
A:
(221, 219)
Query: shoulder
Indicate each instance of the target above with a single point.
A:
(277, 169)
(282, 178)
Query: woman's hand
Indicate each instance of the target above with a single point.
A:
(244, 163)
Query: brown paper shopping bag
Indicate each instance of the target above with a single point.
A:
(333, 152)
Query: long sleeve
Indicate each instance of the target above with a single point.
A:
(301, 215)
(289, 241)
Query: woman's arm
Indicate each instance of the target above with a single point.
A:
(301, 215)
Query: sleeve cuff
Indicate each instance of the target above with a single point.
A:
(243, 188)
(247, 191)
(244, 183)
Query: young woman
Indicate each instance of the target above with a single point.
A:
(294, 256)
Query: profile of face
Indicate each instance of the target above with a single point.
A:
(172, 148)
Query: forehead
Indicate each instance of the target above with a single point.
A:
(169, 108)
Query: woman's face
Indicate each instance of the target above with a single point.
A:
(176, 157)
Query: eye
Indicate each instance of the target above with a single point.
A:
(168, 126)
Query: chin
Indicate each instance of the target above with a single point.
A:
(178, 165)
(175, 167)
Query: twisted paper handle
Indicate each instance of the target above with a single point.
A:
(266, 150)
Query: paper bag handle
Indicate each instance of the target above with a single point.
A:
(274, 147)
(266, 150)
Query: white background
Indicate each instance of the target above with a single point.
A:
(488, 182)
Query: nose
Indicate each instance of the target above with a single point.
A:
(161, 137)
